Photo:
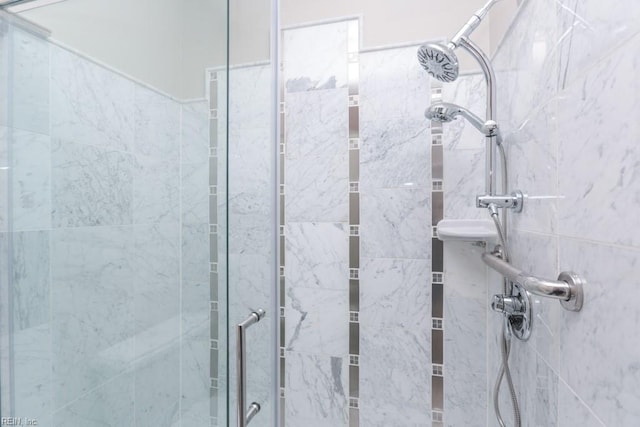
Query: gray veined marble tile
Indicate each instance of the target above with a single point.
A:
(317, 255)
(32, 373)
(110, 404)
(250, 223)
(591, 29)
(463, 180)
(90, 186)
(316, 123)
(465, 338)
(195, 252)
(317, 174)
(465, 401)
(600, 182)
(393, 85)
(30, 279)
(195, 132)
(315, 57)
(395, 223)
(31, 180)
(250, 276)
(156, 279)
(90, 104)
(4, 146)
(156, 191)
(545, 401)
(395, 153)
(195, 192)
(395, 293)
(250, 161)
(597, 358)
(4, 77)
(317, 189)
(93, 308)
(156, 125)
(4, 200)
(30, 82)
(250, 103)
(195, 383)
(317, 321)
(573, 411)
(533, 169)
(395, 376)
(317, 390)
(195, 302)
(157, 388)
(527, 63)
(464, 271)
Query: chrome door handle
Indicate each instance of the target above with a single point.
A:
(241, 360)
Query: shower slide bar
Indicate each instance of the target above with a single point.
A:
(568, 288)
(241, 359)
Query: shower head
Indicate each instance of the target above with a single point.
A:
(439, 61)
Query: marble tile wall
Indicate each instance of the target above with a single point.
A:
(251, 217)
(316, 230)
(195, 387)
(466, 383)
(567, 73)
(105, 229)
(395, 246)
(393, 382)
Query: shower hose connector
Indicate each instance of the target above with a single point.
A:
(513, 201)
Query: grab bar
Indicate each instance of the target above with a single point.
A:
(241, 360)
(568, 288)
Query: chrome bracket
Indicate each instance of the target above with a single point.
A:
(576, 285)
(518, 310)
(513, 201)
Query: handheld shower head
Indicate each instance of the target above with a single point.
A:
(439, 61)
(442, 112)
(445, 112)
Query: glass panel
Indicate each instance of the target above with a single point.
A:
(252, 204)
(112, 114)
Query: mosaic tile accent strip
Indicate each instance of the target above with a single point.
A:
(353, 76)
(214, 312)
(283, 151)
(437, 268)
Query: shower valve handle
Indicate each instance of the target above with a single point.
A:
(507, 304)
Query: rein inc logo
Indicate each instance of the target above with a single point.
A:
(18, 421)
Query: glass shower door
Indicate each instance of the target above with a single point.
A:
(110, 146)
(252, 206)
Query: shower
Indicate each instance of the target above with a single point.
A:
(440, 61)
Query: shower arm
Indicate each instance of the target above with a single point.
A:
(472, 23)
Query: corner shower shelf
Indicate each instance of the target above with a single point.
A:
(467, 230)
